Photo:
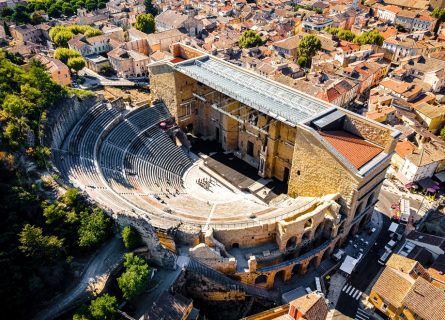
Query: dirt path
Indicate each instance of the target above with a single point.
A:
(97, 270)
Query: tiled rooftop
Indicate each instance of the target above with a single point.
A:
(356, 150)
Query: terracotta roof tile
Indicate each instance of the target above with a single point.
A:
(353, 148)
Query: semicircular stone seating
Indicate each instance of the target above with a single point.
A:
(123, 162)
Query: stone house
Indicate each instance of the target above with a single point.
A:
(171, 19)
(128, 63)
(404, 291)
(59, 72)
(26, 33)
(94, 45)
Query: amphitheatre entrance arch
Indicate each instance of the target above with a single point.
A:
(279, 278)
(261, 279)
(296, 269)
(312, 264)
(291, 242)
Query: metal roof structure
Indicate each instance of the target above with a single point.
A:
(265, 95)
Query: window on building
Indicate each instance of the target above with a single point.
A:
(384, 306)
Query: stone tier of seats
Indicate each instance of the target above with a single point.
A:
(125, 162)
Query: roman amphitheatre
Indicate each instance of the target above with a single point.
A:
(257, 184)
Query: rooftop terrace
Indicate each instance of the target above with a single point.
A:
(267, 96)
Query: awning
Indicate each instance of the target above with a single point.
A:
(426, 183)
(393, 227)
(440, 176)
(348, 265)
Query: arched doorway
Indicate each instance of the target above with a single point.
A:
(308, 223)
(279, 278)
(296, 269)
(326, 254)
(291, 242)
(312, 264)
(261, 279)
(235, 245)
(306, 236)
(358, 210)
(318, 230)
(370, 200)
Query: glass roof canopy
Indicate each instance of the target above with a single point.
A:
(267, 96)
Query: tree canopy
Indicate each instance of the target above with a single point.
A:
(94, 227)
(309, 45)
(63, 54)
(101, 308)
(342, 34)
(76, 63)
(135, 277)
(249, 39)
(145, 22)
(54, 8)
(34, 244)
(130, 238)
(60, 35)
(150, 8)
(369, 37)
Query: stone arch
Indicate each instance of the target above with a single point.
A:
(306, 236)
(279, 277)
(296, 268)
(326, 254)
(308, 224)
(235, 245)
(370, 200)
(318, 230)
(363, 221)
(291, 242)
(312, 265)
(358, 210)
(261, 279)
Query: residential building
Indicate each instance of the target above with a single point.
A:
(94, 45)
(128, 63)
(404, 291)
(316, 23)
(171, 19)
(311, 306)
(388, 13)
(59, 72)
(26, 33)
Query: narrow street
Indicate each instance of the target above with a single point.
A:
(368, 268)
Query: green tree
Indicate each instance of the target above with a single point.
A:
(61, 38)
(63, 54)
(21, 14)
(309, 45)
(145, 22)
(76, 63)
(369, 37)
(135, 277)
(34, 244)
(303, 61)
(345, 35)
(41, 154)
(106, 71)
(94, 228)
(249, 39)
(53, 212)
(70, 197)
(37, 18)
(439, 14)
(150, 8)
(103, 307)
(130, 237)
